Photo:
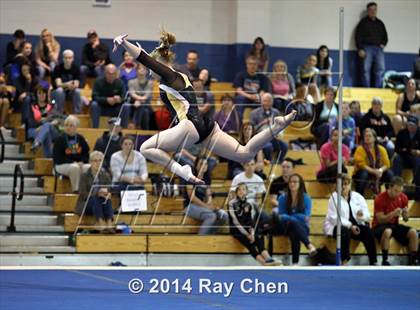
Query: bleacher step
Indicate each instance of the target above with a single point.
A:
(29, 219)
(33, 240)
(7, 135)
(36, 228)
(11, 149)
(37, 249)
(28, 208)
(6, 183)
(33, 200)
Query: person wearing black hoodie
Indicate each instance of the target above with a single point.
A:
(376, 119)
(113, 137)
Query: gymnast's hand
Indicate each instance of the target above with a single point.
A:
(118, 41)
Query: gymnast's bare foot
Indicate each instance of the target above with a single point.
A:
(284, 121)
(186, 173)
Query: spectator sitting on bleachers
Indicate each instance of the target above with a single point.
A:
(127, 69)
(282, 85)
(25, 56)
(107, 98)
(12, 49)
(205, 99)
(258, 50)
(389, 206)
(140, 90)
(324, 65)
(354, 219)
(249, 86)
(128, 166)
(25, 89)
(66, 81)
(191, 68)
(371, 164)
(113, 138)
(5, 100)
(292, 216)
(47, 53)
(407, 148)
(376, 119)
(262, 118)
(206, 78)
(245, 134)
(307, 74)
(94, 199)
(356, 113)
(349, 126)
(407, 102)
(329, 157)
(41, 123)
(199, 205)
(71, 153)
(228, 118)
(279, 185)
(255, 183)
(95, 56)
(326, 112)
(243, 217)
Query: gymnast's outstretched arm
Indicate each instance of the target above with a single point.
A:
(169, 76)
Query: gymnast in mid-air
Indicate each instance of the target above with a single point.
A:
(191, 127)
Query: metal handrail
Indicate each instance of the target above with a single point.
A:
(3, 145)
(16, 195)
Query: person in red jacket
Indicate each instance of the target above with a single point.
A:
(389, 206)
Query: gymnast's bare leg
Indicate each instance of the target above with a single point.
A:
(228, 147)
(183, 134)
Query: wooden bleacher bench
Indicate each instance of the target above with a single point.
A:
(214, 244)
(178, 223)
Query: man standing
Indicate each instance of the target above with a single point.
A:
(371, 38)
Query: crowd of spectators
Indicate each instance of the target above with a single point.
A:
(378, 145)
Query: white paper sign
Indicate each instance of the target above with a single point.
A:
(133, 201)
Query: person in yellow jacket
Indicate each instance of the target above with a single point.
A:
(371, 164)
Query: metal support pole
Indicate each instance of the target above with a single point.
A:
(340, 136)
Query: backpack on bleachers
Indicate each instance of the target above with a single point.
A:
(300, 144)
(162, 185)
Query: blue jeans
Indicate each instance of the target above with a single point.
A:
(210, 219)
(59, 95)
(42, 71)
(85, 71)
(142, 115)
(405, 161)
(99, 208)
(96, 110)
(373, 66)
(44, 136)
(241, 103)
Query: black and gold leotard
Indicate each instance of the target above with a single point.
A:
(183, 105)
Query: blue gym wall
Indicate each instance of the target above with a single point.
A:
(221, 30)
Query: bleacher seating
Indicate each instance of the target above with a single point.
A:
(158, 229)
